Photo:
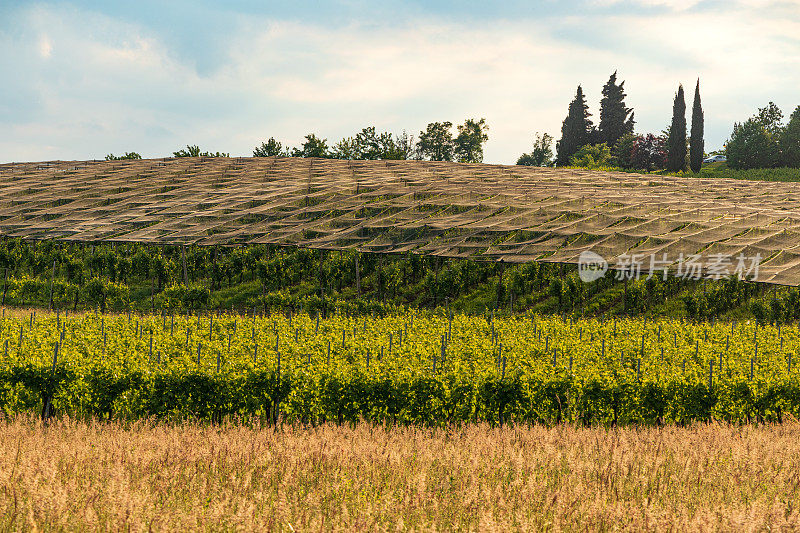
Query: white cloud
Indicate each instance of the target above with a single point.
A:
(94, 84)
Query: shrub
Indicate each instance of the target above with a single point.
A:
(592, 156)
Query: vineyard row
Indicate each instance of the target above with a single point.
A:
(421, 368)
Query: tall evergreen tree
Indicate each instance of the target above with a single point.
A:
(574, 130)
(676, 142)
(696, 145)
(615, 119)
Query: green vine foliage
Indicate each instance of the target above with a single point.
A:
(122, 277)
(424, 368)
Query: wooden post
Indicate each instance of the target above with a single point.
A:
(185, 270)
(214, 270)
(624, 298)
(48, 401)
(52, 277)
(5, 285)
(710, 374)
(358, 276)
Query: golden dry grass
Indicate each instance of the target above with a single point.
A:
(78, 476)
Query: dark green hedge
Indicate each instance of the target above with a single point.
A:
(421, 399)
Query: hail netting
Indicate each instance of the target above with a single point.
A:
(480, 211)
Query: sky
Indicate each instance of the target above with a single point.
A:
(82, 79)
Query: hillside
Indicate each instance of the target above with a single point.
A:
(483, 212)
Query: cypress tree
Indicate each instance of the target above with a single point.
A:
(676, 142)
(574, 130)
(615, 119)
(696, 145)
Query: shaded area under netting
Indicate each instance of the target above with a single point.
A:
(122, 277)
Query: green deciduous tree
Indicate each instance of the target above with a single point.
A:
(345, 149)
(696, 145)
(771, 118)
(312, 147)
(790, 141)
(194, 151)
(128, 155)
(751, 146)
(649, 153)
(676, 142)
(623, 151)
(542, 154)
(592, 156)
(436, 142)
(271, 148)
(373, 145)
(575, 129)
(468, 144)
(755, 143)
(615, 118)
(369, 144)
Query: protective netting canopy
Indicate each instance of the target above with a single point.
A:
(486, 212)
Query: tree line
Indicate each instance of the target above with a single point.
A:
(613, 142)
(762, 141)
(438, 142)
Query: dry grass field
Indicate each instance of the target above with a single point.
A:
(78, 476)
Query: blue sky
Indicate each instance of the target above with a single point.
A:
(82, 79)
